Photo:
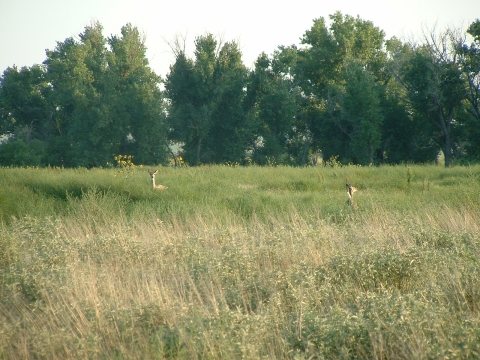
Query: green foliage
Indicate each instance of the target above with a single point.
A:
(87, 102)
(206, 94)
(469, 59)
(24, 103)
(94, 97)
(435, 90)
(403, 140)
(18, 153)
(272, 107)
(376, 271)
(341, 68)
(138, 105)
(362, 118)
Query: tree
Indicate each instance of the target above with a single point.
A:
(188, 88)
(229, 135)
(301, 112)
(138, 105)
(107, 100)
(272, 109)
(361, 115)
(25, 114)
(24, 102)
(334, 63)
(76, 71)
(404, 137)
(435, 88)
(206, 95)
(469, 59)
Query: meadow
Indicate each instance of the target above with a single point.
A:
(240, 263)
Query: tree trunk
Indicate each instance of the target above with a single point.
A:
(199, 145)
(447, 149)
(445, 121)
(371, 151)
(305, 151)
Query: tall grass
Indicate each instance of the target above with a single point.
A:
(244, 262)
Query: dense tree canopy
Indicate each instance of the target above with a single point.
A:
(345, 91)
(341, 70)
(87, 102)
(469, 59)
(206, 111)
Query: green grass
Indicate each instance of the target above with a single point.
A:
(240, 262)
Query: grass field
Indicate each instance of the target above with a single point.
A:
(240, 263)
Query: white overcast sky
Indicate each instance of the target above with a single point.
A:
(28, 27)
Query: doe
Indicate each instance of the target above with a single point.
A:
(152, 178)
(350, 191)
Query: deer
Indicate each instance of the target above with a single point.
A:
(152, 178)
(350, 191)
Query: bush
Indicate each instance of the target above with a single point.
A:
(19, 153)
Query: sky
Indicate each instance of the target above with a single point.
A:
(29, 27)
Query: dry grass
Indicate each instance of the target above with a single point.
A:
(105, 278)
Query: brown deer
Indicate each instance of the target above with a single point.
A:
(152, 177)
(350, 191)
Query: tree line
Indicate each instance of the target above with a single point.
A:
(346, 92)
